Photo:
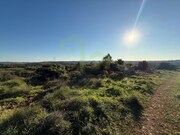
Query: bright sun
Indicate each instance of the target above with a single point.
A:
(131, 38)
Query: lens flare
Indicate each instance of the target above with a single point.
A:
(139, 13)
(131, 38)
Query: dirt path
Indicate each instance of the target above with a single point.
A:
(154, 121)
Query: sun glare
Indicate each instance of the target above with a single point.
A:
(131, 38)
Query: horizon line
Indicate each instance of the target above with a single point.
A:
(85, 61)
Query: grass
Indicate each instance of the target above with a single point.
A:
(114, 102)
(172, 115)
(16, 92)
(22, 121)
(100, 106)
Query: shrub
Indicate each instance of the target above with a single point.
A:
(53, 124)
(37, 80)
(92, 69)
(130, 70)
(144, 86)
(52, 101)
(12, 89)
(23, 121)
(47, 73)
(135, 106)
(22, 73)
(12, 83)
(5, 76)
(98, 84)
(113, 92)
(54, 83)
(120, 61)
(73, 104)
(167, 66)
(114, 67)
(143, 65)
(76, 74)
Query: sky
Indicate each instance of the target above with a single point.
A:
(69, 30)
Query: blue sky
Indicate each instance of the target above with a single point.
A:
(47, 30)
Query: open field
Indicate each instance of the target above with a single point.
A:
(105, 103)
(89, 67)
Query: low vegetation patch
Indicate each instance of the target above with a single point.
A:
(106, 97)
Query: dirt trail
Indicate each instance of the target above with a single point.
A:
(152, 122)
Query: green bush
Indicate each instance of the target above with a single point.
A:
(167, 66)
(114, 92)
(12, 89)
(144, 66)
(48, 73)
(144, 86)
(23, 121)
(54, 83)
(92, 69)
(5, 76)
(134, 106)
(12, 83)
(52, 100)
(53, 124)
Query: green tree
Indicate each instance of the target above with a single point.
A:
(143, 65)
(107, 58)
(120, 62)
(105, 64)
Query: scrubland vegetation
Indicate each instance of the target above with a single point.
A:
(106, 97)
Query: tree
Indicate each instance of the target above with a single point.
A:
(143, 65)
(130, 69)
(107, 58)
(120, 62)
(105, 64)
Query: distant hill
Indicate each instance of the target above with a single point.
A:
(174, 62)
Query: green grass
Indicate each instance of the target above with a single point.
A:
(172, 115)
(22, 121)
(16, 92)
(114, 102)
(100, 106)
